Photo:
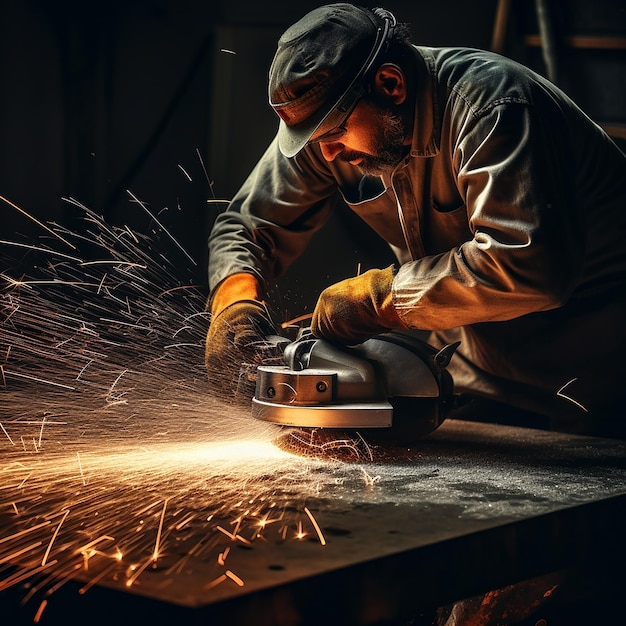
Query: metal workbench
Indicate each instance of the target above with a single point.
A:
(471, 508)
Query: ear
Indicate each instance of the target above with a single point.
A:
(390, 81)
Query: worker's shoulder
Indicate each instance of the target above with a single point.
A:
(481, 78)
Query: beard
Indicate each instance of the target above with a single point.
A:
(390, 148)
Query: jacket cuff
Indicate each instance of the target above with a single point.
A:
(387, 311)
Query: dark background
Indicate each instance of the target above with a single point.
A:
(167, 99)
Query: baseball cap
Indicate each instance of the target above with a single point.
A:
(317, 74)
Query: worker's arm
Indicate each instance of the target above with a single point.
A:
(268, 224)
(272, 218)
(527, 248)
(514, 171)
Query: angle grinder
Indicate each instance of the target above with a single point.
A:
(393, 383)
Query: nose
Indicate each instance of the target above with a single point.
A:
(331, 149)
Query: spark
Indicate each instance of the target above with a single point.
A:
(184, 171)
(40, 610)
(147, 508)
(54, 536)
(39, 380)
(297, 320)
(16, 308)
(117, 263)
(242, 539)
(11, 557)
(226, 532)
(234, 577)
(185, 521)
(562, 395)
(237, 525)
(32, 283)
(95, 542)
(318, 530)
(367, 447)
(138, 571)
(38, 422)
(179, 345)
(87, 554)
(227, 51)
(43, 421)
(84, 368)
(155, 554)
(167, 232)
(369, 480)
(168, 291)
(22, 483)
(110, 397)
(132, 234)
(34, 219)
(221, 557)
(80, 467)
(4, 430)
(22, 575)
(129, 324)
(101, 283)
(24, 532)
(204, 170)
(216, 582)
(300, 534)
(40, 249)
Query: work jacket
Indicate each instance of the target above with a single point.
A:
(508, 220)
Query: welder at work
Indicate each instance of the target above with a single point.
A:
(505, 208)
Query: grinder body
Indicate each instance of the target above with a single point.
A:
(392, 381)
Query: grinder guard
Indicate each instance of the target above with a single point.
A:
(392, 382)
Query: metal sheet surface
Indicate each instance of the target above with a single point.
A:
(472, 507)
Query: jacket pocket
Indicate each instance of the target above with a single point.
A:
(380, 212)
(447, 227)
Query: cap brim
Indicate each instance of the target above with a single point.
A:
(291, 139)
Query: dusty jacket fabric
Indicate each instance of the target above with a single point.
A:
(508, 219)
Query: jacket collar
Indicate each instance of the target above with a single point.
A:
(427, 124)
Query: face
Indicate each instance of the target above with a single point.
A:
(372, 138)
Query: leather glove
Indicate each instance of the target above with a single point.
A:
(356, 309)
(236, 344)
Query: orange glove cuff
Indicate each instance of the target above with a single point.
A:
(234, 288)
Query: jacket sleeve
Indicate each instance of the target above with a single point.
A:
(515, 174)
(272, 218)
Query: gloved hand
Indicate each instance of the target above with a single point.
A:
(356, 309)
(235, 345)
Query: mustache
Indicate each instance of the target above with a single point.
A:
(352, 155)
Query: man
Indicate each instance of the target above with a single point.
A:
(504, 204)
